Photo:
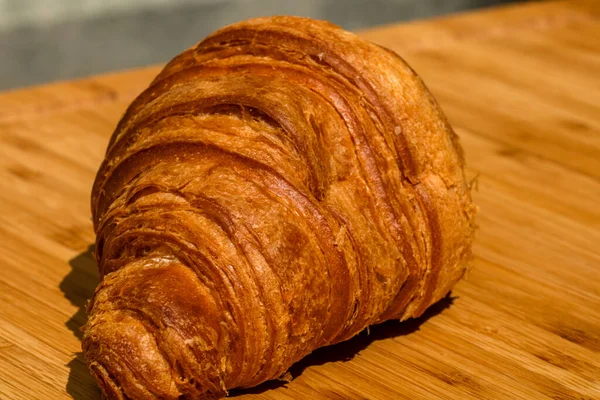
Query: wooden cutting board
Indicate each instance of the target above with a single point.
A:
(522, 87)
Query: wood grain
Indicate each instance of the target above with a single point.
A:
(520, 84)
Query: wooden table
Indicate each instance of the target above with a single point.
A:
(522, 87)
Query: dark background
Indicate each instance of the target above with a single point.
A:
(48, 40)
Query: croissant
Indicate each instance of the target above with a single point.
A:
(279, 187)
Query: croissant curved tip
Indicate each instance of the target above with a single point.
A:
(123, 358)
(132, 355)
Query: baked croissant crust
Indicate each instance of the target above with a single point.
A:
(279, 187)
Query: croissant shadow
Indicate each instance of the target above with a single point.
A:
(346, 351)
(79, 285)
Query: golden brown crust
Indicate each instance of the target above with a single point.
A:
(279, 187)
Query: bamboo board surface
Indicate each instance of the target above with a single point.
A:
(521, 85)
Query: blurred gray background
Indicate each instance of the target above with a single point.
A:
(48, 40)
